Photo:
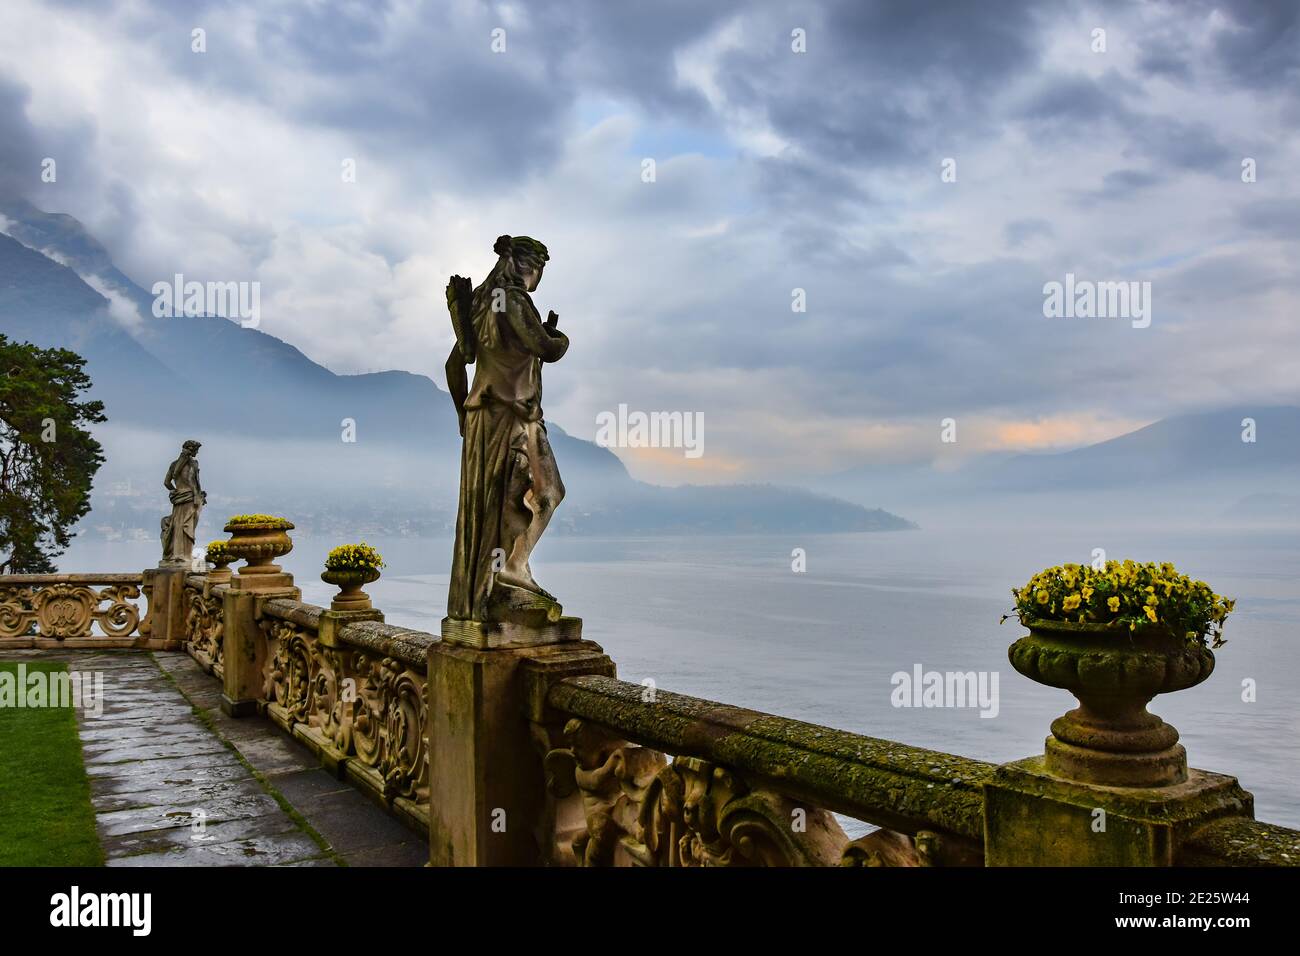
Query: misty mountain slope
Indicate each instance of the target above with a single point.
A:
(1185, 465)
(65, 237)
(275, 421)
(740, 509)
(1176, 450)
(46, 304)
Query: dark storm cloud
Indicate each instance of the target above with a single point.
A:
(882, 84)
(1123, 183)
(1275, 218)
(433, 97)
(25, 145)
(1258, 46)
(1263, 45)
(626, 50)
(20, 154)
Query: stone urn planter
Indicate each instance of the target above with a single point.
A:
(1110, 738)
(350, 583)
(220, 557)
(258, 543)
(349, 567)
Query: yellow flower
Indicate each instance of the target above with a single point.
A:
(1151, 614)
(1071, 602)
(1042, 597)
(1113, 603)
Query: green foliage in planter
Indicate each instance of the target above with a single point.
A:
(1126, 595)
(354, 557)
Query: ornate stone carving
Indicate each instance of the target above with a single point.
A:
(63, 609)
(391, 715)
(204, 623)
(16, 614)
(365, 706)
(639, 810)
(289, 668)
(881, 848)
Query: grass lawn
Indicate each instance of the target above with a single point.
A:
(45, 813)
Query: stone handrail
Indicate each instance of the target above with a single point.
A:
(749, 787)
(1238, 841)
(62, 610)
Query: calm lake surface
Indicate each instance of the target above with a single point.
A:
(726, 618)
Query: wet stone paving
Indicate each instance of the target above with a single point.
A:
(168, 790)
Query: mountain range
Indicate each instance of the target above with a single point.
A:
(271, 420)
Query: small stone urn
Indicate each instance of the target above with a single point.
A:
(219, 556)
(350, 583)
(258, 542)
(1110, 738)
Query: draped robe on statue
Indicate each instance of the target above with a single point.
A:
(506, 396)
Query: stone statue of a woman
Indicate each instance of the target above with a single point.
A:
(509, 483)
(187, 498)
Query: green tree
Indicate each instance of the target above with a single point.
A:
(47, 460)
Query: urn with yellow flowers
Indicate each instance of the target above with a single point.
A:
(1115, 635)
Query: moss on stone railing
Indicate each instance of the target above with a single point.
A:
(892, 785)
(746, 787)
(1238, 841)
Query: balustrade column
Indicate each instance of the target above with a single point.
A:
(489, 728)
(165, 625)
(244, 647)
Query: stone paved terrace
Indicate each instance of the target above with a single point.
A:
(162, 751)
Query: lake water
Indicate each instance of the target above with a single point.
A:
(726, 618)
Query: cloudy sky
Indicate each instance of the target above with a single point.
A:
(775, 170)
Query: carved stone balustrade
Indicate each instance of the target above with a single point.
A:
(354, 692)
(64, 610)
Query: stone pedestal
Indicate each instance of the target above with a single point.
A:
(331, 620)
(1033, 818)
(244, 648)
(488, 733)
(244, 654)
(271, 584)
(488, 635)
(165, 586)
